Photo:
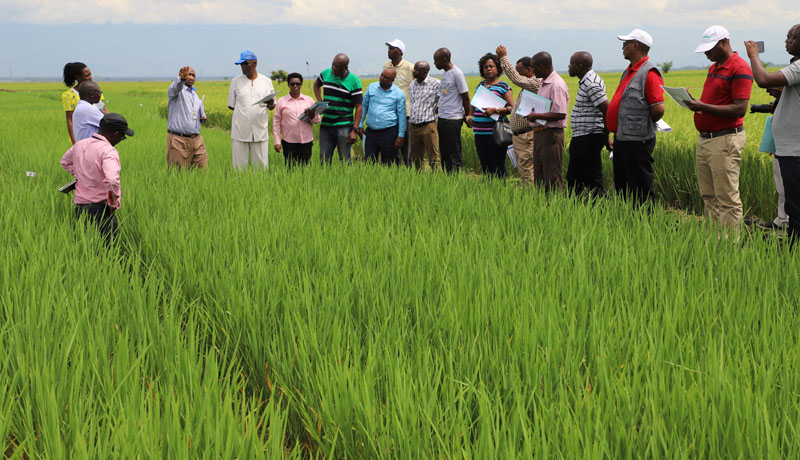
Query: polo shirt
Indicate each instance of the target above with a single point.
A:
(725, 83)
(652, 92)
(342, 95)
(384, 109)
(405, 75)
(85, 120)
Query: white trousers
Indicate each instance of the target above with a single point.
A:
(256, 153)
(782, 219)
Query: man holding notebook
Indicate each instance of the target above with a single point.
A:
(250, 123)
(719, 117)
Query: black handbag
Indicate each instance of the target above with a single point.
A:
(502, 134)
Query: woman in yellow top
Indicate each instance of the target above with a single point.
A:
(74, 73)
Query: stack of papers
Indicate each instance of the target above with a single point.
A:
(678, 95)
(266, 98)
(532, 102)
(318, 108)
(484, 99)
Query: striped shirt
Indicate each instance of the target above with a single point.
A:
(483, 125)
(586, 118)
(342, 95)
(424, 98)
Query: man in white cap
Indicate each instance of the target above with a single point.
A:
(250, 123)
(405, 75)
(719, 116)
(632, 114)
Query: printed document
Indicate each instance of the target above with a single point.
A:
(484, 99)
(532, 102)
(678, 95)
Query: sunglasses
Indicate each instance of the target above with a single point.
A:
(295, 84)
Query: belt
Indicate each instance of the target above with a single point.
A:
(382, 129)
(101, 204)
(721, 132)
(539, 129)
(521, 131)
(421, 124)
(182, 135)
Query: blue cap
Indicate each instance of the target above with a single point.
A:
(246, 55)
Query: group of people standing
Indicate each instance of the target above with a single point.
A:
(410, 117)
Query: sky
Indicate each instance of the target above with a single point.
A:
(154, 38)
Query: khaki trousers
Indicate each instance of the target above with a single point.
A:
(186, 152)
(424, 142)
(523, 147)
(718, 162)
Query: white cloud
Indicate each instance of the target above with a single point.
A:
(443, 14)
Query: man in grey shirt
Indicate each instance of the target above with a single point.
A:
(454, 104)
(185, 145)
(785, 123)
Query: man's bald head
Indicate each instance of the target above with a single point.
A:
(340, 65)
(89, 91)
(387, 78)
(441, 59)
(793, 40)
(421, 69)
(542, 64)
(580, 63)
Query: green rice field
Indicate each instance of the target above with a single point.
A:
(374, 312)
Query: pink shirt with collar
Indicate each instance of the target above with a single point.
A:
(95, 163)
(555, 88)
(286, 124)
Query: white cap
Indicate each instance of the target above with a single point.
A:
(639, 35)
(710, 38)
(397, 43)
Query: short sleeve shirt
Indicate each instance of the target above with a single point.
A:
(85, 120)
(724, 84)
(787, 113)
(250, 122)
(586, 118)
(484, 125)
(69, 99)
(452, 86)
(405, 75)
(652, 92)
(342, 95)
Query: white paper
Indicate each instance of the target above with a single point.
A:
(532, 102)
(512, 155)
(266, 98)
(662, 126)
(484, 99)
(678, 95)
(318, 108)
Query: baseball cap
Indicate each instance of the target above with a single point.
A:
(710, 38)
(397, 43)
(246, 55)
(639, 35)
(115, 122)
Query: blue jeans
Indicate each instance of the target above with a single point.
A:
(331, 137)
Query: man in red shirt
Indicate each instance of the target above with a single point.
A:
(719, 116)
(632, 114)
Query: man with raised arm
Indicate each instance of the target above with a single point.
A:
(719, 117)
(185, 145)
(785, 124)
(632, 114)
(342, 90)
(523, 76)
(454, 109)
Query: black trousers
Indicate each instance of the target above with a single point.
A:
(296, 153)
(101, 215)
(450, 143)
(633, 169)
(381, 142)
(491, 155)
(585, 168)
(790, 173)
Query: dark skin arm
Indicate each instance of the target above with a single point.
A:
(736, 110)
(467, 108)
(69, 126)
(353, 136)
(603, 108)
(317, 91)
(763, 78)
(656, 111)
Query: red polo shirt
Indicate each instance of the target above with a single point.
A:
(725, 83)
(652, 92)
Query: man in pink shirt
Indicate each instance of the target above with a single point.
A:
(548, 128)
(95, 164)
(293, 135)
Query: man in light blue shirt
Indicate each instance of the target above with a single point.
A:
(185, 145)
(86, 117)
(385, 112)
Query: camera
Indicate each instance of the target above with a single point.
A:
(760, 108)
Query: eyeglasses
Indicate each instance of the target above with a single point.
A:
(295, 84)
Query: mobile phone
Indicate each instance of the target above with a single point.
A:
(760, 46)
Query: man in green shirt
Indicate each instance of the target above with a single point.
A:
(341, 89)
